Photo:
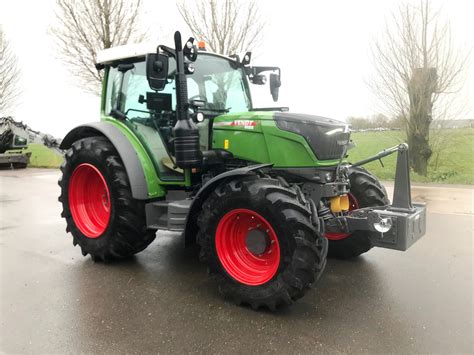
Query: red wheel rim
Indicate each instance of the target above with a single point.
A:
(244, 263)
(353, 205)
(89, 200)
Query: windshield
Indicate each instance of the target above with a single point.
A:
(215, 81)
(219, 84)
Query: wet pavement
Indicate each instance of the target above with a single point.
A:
(162, 301)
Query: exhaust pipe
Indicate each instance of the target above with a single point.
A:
(186, 133)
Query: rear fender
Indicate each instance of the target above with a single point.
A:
(124, 147)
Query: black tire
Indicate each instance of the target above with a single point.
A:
(303, 249)
(368, 192)
(126, 233)
(20, 165)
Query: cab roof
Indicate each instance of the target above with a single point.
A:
(110, 55)
(135, 50)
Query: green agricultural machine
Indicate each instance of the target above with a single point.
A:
(266, 194)
(13, 141)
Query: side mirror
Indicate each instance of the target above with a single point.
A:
(275, 84)
(157, 71)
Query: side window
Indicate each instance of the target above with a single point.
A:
(135, 84)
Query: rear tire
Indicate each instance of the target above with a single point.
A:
(282, 213)
(368, 192)
(112, 231)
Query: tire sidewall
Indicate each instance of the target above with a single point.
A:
(88, 156)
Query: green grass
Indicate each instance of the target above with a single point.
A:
(451, 163)
(43, 157)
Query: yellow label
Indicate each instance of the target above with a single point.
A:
(226, 144)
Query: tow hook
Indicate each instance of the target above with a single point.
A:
(383, 225)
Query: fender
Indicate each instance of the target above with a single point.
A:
(124, 148)
(190, 229)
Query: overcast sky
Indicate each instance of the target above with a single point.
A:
(321, 46)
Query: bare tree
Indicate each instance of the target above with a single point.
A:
(88, 26)
(227, 26)
(418, 73)
(9, 73)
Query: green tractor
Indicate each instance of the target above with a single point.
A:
(266, 194)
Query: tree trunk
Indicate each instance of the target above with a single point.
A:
(420, 152)
(421, 87)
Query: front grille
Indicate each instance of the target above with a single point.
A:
(314, 129)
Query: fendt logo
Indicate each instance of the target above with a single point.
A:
(249, 124)
(244, 123)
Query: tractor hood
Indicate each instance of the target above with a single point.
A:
(327, 137)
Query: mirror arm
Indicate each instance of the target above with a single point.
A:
(258, 70)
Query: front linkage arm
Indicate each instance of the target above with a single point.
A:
(402, 189)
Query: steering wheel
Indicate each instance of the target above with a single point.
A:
(202, 103)
(198, 96)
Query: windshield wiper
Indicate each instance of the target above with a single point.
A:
(280, 108)
(225, 110)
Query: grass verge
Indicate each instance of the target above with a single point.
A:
(43, 157)
(452, 161)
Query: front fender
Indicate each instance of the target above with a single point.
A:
(124, 148)
(190, 230)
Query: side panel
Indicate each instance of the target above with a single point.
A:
(143, 179)
(254, 136)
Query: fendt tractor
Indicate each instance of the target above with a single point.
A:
(266, 194)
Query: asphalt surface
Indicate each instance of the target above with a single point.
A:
(53, 300)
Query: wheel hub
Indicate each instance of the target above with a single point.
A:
(257, 241)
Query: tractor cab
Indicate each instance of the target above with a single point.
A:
(216, 85)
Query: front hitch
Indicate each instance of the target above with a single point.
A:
(402, 188)
(396, 226)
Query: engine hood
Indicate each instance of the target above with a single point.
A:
(327, 137)
(310, 119)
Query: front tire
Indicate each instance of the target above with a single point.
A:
(100, 212)
(366, 191)
(262, 240)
